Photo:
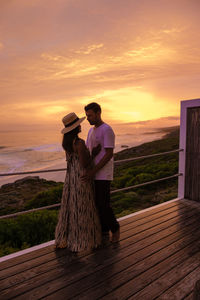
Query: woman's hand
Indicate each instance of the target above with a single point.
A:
(88, 176)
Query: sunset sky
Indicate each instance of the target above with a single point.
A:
(137, 58)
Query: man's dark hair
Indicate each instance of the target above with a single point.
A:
(93, 106)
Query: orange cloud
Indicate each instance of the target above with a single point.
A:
(89, 49)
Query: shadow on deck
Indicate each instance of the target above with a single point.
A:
(158, 257)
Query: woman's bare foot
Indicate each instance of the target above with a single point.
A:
(116, 236)
(61, 245)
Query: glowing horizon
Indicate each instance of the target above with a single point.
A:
(137, 60)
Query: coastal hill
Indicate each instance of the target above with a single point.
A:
(15, 196)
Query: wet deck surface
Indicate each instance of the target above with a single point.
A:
(158, 257)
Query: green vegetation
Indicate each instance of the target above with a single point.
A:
(26, 230)
(35, 228)
(28, 192)
(140, 171)
(45, 198)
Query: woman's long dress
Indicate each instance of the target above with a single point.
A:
(78, 226)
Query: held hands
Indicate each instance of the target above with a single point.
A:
(96, 150)
(88, 176)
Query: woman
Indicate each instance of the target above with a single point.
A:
(78, 226)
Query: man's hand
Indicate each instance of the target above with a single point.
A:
(96, 150)
(88, 176)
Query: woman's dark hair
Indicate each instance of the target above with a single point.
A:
(68, 139)
(93, 106)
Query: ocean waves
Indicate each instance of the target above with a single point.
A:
(14, 159)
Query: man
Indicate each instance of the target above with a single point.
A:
(101, 139)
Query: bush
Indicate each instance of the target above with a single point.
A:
(27, 230)
(45, 198)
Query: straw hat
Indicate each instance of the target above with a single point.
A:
(70, 122)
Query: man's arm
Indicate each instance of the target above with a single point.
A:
(105, 159)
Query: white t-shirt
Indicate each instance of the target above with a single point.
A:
(104, 136)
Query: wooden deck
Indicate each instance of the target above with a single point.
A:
(158, 257)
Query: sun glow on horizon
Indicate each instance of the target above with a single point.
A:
(132, 105)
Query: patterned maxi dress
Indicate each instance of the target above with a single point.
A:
(78, 226)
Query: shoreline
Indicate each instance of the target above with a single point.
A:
(60, 175)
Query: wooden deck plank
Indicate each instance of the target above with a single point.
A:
(46, 250)
(154, 210)
(58, 255)
(125, 283)
(131, 230)
(89, 266)
(166, 284)
(136, 246)
(190, 296)
(151, 217)
(184, 213)
(34, 262)
(25, 257)
(112, 273)
(146, 279)
(183, 287)
(37, 253)
(153, 243)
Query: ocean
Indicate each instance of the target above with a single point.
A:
(22, 151)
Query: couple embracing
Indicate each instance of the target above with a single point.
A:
(86, 217)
